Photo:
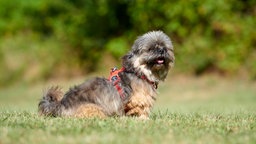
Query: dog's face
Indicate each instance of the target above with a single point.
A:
(151, 55)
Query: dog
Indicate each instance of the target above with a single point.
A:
(130, 91)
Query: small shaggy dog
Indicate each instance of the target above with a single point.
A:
(130, 91)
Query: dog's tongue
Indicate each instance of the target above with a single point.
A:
(160, 61)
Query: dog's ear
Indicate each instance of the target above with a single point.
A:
(127, 61)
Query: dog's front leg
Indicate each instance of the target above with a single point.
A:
(137, 110)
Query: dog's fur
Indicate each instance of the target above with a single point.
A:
(151, 56)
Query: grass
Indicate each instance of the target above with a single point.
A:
(188, 110)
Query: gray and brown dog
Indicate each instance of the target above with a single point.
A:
(130, 91)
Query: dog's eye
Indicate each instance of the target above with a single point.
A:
(151, 49)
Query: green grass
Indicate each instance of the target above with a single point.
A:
(188, 110)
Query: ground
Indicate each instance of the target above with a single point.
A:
(205, 109)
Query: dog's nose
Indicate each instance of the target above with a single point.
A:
(161, 50)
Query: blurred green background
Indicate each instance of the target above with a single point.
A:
(45, 39)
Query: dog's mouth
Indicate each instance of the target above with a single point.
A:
(160, 61)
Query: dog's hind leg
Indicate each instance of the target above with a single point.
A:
(89, 110)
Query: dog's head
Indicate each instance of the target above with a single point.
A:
(151, 55)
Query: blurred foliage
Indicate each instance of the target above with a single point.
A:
(208, 35)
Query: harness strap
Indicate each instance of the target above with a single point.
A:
(116, 81)
(154, 84)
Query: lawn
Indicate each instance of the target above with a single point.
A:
(188, 110)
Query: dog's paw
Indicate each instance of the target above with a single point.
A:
(143, 117)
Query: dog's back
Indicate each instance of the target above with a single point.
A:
(96, 97)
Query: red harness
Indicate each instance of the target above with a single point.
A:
(116, 80)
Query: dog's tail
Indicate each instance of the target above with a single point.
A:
(50, 104)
